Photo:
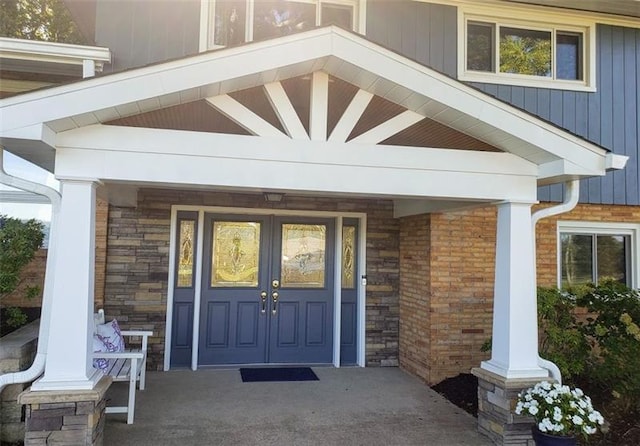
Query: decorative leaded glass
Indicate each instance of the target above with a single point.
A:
(303, 255)
(348, 256)
(236, 254)
(185, 254)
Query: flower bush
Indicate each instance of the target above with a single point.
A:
(559, 410)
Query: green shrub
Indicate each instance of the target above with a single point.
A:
(614, 334)
(561, 338)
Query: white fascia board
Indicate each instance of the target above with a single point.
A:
(201, 159)
(163, 79)
(469, 101)
(52, 51)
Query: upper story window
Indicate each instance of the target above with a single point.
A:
(533, 53)
(230, 22)
(590, 252)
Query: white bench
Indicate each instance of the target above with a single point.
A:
(129, 365)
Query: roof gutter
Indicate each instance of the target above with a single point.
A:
(37, 368)
(571, 196)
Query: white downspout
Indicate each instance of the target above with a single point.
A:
(571, 196)
(37, 368)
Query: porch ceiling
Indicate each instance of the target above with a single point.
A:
(438, 111)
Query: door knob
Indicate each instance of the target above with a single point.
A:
(274, 298)
(263, 298)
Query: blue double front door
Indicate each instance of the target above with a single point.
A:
(267, 290)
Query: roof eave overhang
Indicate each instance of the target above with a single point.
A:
(340, 53)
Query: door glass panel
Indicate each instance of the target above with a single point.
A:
(185, 262)
(303, 255)
(348, 256)
(236, 254)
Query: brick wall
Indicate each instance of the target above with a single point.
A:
(547, 236)
(138, 261)
(415, 295)
(444, 326)
(447, 269)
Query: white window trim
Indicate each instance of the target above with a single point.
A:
(208, 11)
(588, 227)
(548, 22)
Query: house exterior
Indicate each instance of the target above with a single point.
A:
(342, 182)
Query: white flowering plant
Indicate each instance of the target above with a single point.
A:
(559, 410)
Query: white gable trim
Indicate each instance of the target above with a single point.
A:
(334, 51)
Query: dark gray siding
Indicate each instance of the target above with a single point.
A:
(143, 32)
(420, 31)
(609, 117)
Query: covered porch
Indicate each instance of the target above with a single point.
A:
(348, 132)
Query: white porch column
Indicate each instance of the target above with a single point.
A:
(68, 361)
(514, 351)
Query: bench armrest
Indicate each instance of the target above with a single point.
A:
(120, 355)
(136, 333)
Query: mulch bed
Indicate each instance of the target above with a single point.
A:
(461, 390)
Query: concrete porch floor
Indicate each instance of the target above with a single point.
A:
(347, 406)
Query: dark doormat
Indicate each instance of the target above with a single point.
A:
(277, 374)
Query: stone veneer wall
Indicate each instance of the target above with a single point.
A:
(17, 351)
(138, 262)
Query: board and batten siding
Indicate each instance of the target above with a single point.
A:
(423, 32)
(143, 32)
(610, 117)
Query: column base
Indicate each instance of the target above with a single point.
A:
(65, 417)
(497, 398)
(43, 384)
(498, 369)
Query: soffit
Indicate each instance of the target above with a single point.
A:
(199, 116)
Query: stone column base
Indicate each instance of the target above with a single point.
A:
(65, 417)
(497, 397)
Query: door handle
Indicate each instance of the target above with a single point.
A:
(274, 298)
(263, 298)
